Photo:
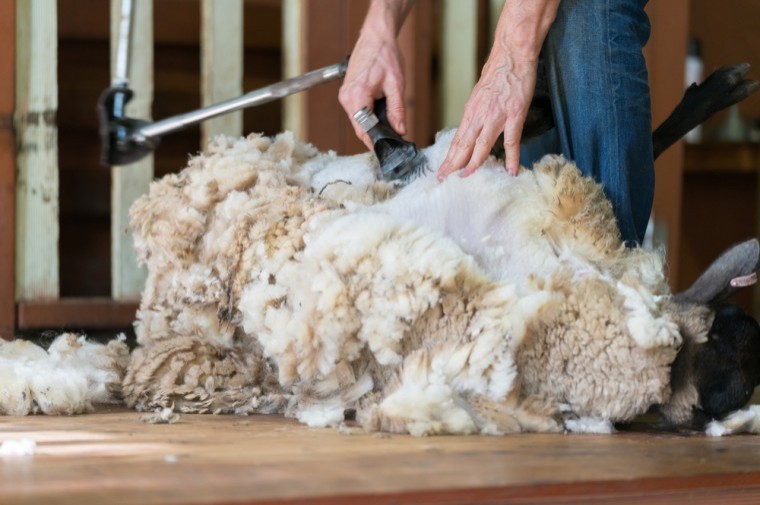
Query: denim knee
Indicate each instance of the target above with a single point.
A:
(598, 84)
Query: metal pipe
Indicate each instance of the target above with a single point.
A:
(121, 75)
(261, 96)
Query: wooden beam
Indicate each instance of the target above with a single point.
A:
(316, 34)
(722, 158)
(7, 170)
(666, 53)
(221, 64)
(75, 313)
(108, 456)
(459, 58)
(37, 156)
(416, 41)
(355, 12)
(325, 43)
(131, 181)
(494, 11)
(293, 64)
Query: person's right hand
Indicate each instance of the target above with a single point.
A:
(375, 70)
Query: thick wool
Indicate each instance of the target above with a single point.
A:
(68, 378)
(282, 279)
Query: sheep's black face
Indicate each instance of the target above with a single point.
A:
(727, 366)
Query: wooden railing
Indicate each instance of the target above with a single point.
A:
(314, 34)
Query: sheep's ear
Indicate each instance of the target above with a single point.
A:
(735, 268)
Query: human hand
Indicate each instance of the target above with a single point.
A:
(498, 103)
(501, 98)
(375, 71)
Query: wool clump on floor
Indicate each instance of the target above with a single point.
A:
(18, 447)
(67, 378)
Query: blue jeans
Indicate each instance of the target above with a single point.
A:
(597, 82)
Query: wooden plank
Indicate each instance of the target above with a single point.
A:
(37, 154)
(415, 41)
(718, 210)
(459, 58)
(293, 64)
(494, 11)
(7, 227)
(179, 22)
(130, 181)
(665, 53)
(718, 161)
(355, 11)
(7, 171)
(75, 313)
(221, 64)
(728, 32)
(110, 457)
(755, 307)
(316, 34)
(721, 157)
(325, 42)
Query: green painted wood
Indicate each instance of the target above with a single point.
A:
(459, 52)
(221, 64)
(37, 228)
(293, 64)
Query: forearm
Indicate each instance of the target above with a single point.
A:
(522, 28)
(385, 17)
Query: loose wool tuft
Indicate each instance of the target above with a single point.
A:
(283, 279)
(68, 378)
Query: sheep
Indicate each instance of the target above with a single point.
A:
(286, 280)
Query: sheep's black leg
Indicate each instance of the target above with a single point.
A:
(723, 88)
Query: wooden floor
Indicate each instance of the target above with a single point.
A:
(111, 457)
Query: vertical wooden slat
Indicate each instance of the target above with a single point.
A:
(7, 169)
(326, 32)
(459, 54)
(321, 33)
(355, 13)
(293, 107)
(131, 181)
(416, 43)
(494, 11)
(325, 29)
(221, 63)
(37, 156)
(666, 53)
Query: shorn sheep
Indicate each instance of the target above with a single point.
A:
(282, 279)
(286, 280)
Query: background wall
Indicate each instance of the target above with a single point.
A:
(720, 205)
(83, 72)
(720, 183)
(730, 33)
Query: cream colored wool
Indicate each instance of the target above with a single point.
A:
(68, 378)
(281, 279)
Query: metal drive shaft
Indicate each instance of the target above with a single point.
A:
(258, 97)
